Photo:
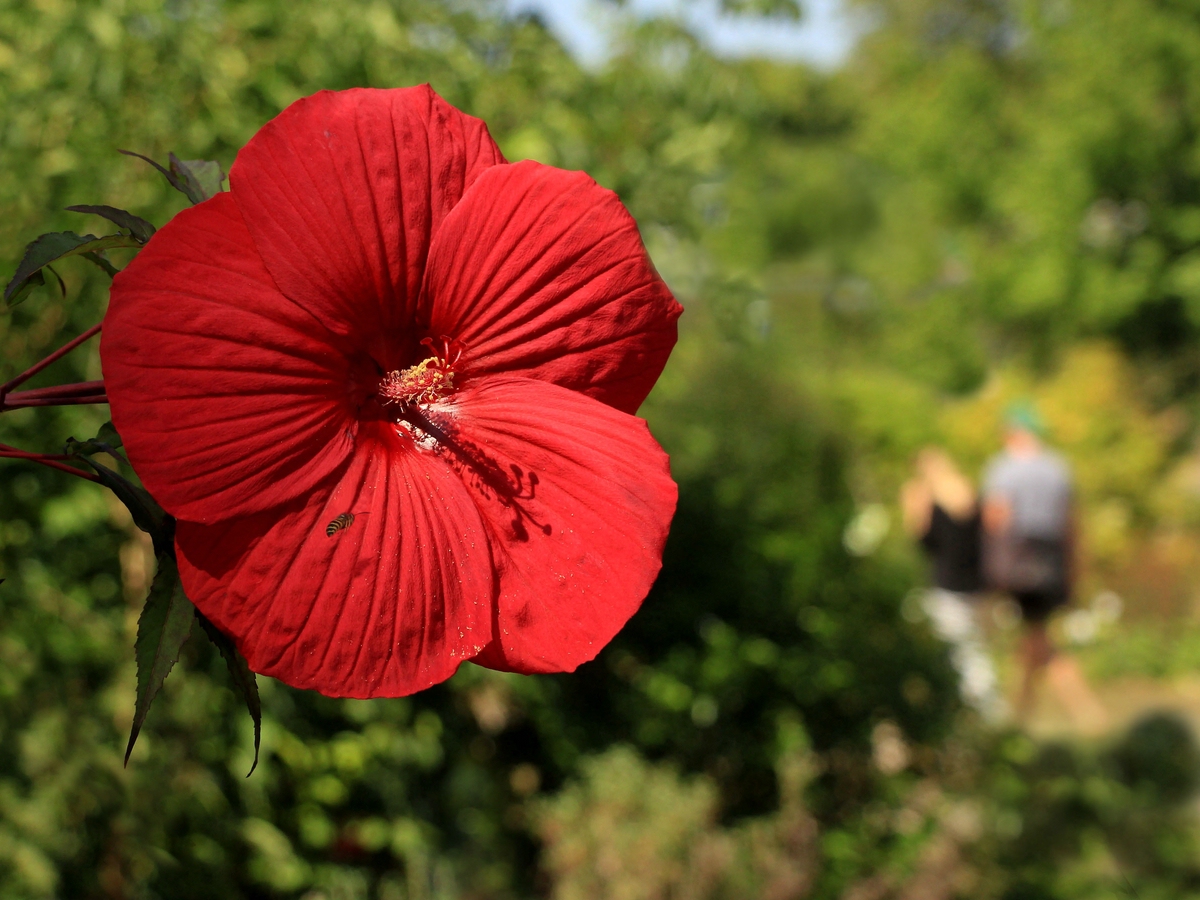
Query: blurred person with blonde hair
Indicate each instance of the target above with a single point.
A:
(942, 512)
(1029, 550)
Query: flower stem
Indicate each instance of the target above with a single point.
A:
(53, 357)
(46, 459)
(59, 395)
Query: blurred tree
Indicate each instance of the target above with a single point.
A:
(788, 9)
(1043, 161)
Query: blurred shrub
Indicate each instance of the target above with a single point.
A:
(1073, 823)
(628, 830)
(997, 817)
(1159, 756)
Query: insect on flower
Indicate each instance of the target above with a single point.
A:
(383, 315)
(340, 522)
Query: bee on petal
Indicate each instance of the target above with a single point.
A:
(345, 520)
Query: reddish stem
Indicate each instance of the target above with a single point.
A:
(53, 357)
(60, 395)
(46, 459)
(76, 401)
(13, 453)
(69, 469)
(62, 390)
(66, 401)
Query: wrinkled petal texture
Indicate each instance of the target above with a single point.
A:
(364, 550)
(388, 605)
(342, 192)
(540, 272)
(578, 497)
(230, 398)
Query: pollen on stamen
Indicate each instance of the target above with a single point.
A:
(427, 381)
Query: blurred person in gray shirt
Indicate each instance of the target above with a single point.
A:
(1028, 552)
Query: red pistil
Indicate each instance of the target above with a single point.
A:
(452, 349)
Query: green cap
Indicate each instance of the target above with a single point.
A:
(1023, 415)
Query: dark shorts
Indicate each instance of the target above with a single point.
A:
(1036, 606)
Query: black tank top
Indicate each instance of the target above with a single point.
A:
(954, 549)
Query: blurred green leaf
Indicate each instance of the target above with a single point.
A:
(783, 9)
(172, 178)
(164, 625)
(49, 248)
(202, 177)
(138, 228)
(197, 179)
(243, 678)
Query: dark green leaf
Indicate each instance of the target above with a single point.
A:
(108, 434)
(203, 177)
(62, 285)
(164, 625)
(19, 295)
(171, 177)
(93, 445)
(138, 227)
(147, 514)
(100, 259)
(49, 248)
(198, 179)
(242, 677)
(106, 441)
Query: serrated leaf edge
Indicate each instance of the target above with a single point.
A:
(243, 678)
(157, 653)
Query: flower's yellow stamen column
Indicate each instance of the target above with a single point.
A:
(427, 381)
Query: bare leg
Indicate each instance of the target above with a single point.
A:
(1067, 680)
(1036, 653)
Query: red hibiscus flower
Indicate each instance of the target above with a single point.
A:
(386, 384)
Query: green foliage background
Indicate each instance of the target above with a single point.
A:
(992, 198)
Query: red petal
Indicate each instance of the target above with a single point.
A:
(579, 499)
(389, 605)
(342, 191)
(230, 398)
(541, 272)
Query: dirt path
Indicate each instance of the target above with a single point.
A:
(1124, 700)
